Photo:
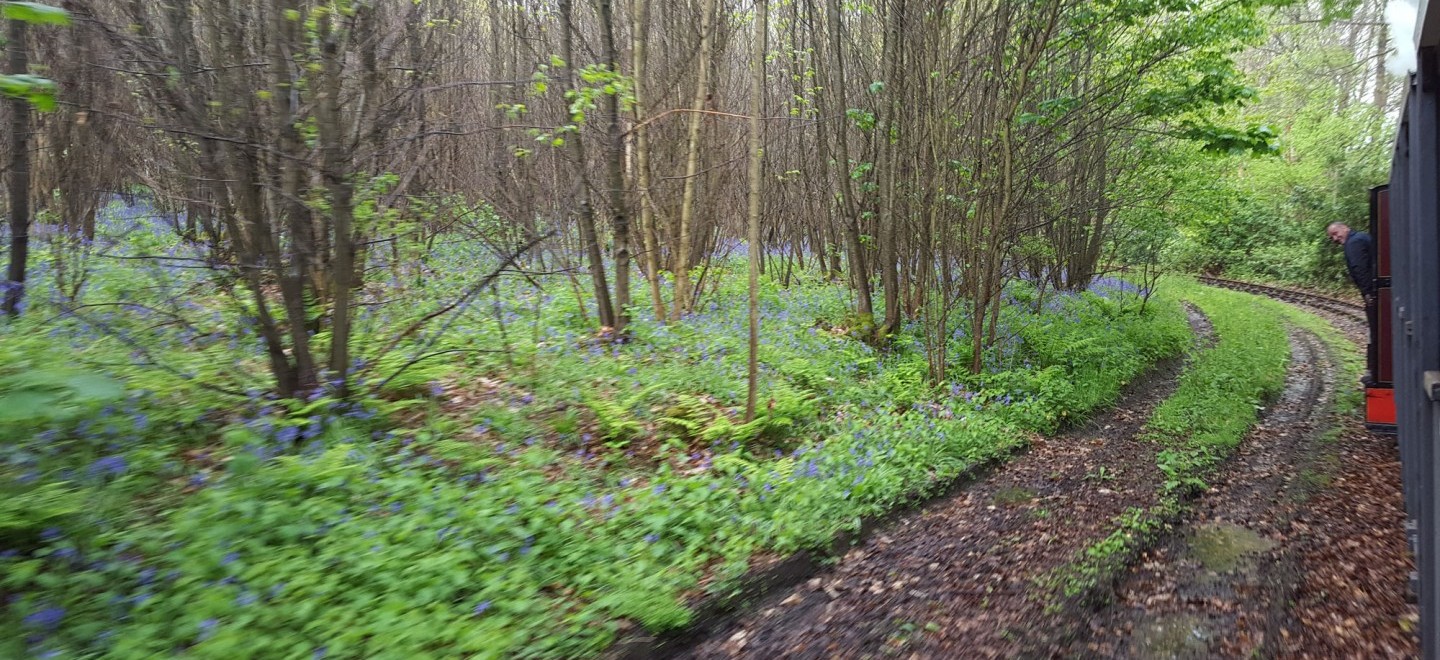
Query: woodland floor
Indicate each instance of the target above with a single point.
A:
(1219, 585)
(1296, 549)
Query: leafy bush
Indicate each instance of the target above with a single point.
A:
(527, 490)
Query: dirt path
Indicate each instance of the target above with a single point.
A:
(1296, 550)
(1222, 584)
(1353, 600)
(958, 578)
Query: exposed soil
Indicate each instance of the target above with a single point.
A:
(1354, 598)
(1221, 585)
(957, 579)
(1296, 550)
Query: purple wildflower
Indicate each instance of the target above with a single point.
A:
(48, 618)
(108, 466)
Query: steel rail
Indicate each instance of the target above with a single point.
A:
(1306, 298)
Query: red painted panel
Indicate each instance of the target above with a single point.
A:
(1379, 405)
(1384, 341)
(1380, 231)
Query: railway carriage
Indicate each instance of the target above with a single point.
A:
(1406, 219)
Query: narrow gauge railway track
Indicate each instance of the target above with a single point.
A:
(1315, 300)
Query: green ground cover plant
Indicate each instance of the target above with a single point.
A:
(530, 491)
(1223, 390)
(1221, 395)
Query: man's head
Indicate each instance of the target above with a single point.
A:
(1338, 232)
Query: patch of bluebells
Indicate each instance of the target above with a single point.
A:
(386, 503)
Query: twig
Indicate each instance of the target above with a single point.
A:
(469, 293)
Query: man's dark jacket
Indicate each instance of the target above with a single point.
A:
(1359, 259)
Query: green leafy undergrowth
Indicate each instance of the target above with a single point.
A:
(488, 506)
(1224, 388)
(1219, 398)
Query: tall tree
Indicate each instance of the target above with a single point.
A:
(681, 265)
(584, 213)
(640, 55)
(757, 152)
(18, 182)
(615, 166)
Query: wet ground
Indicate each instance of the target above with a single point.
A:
(1295, 549)
(959, 578)
(1221, 584)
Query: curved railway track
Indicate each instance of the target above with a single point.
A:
(1333, 305)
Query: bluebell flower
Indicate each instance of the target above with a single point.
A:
(50, 534)
(108, 466)
(659, 488)
(48, 618)
(482, 607)
(651, 538)
(207, 629)
(229, 558)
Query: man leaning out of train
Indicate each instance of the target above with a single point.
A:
(1360, 261)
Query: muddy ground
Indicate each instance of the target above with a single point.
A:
(958, 579)
(1296, 549)
(1221, 585)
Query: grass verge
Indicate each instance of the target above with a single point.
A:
(1219, 398)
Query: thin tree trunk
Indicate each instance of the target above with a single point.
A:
(586, 212)
(342, 200)
(859, 273)
(615, 157)
(683, 295)
(889, 277)
(303, 255)
(19, 183)
(641, 13)
(757, 90)
(1382, 80)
